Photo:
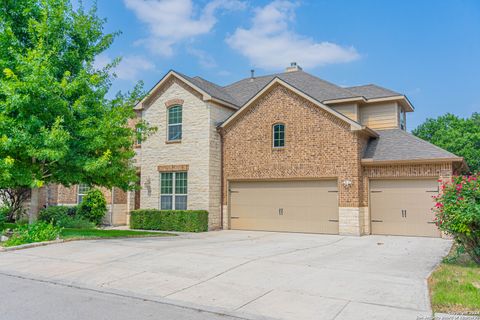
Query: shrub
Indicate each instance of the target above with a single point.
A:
(36, 232)
(75, 222)
(54, 214)
(93, 206)
(170, 220)
(457, 212)
(3, 216)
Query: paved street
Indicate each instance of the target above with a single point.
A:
(24, 299)
(253, 275)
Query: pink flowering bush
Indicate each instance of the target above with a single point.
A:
(457, 212)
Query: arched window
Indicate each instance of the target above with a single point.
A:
(174, 123)
(278, 135)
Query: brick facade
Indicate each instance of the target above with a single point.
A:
(67, 196)
(318, 145)
(308, 153)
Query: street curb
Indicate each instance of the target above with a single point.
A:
(30, 245)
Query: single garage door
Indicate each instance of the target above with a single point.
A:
(292, 206)
(403, 207)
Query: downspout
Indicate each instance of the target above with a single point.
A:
(221, 178)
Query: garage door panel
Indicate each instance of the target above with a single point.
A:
(294, 206)
(403, 207)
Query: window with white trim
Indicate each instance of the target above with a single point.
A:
(278, 135)
(173, 191)
(82, 191)
(174, 131)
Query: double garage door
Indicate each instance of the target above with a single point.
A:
(403, 207)
(397, 207)
(291, 206)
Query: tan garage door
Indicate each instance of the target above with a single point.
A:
(403, 207)
(293, 206)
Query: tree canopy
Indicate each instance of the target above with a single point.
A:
(457, 135)
(56, 123)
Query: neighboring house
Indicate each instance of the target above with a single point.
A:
(118, 204)
(283, 152)
(289, 152)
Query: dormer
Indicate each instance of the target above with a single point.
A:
(375, 107)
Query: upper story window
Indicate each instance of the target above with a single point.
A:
(278, 135)
(174, 131)
(402, 120)
(82, 191)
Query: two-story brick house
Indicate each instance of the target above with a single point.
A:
(289, 152)
(282, 152)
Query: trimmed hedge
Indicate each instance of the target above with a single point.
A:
(169, 220)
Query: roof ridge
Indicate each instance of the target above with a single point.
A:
(361, 85)
(259, 77)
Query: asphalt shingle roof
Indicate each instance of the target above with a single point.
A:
(396, 144)
(391, 145)
(212, 89)
(371, 91)
(317, 88)
(240, 92)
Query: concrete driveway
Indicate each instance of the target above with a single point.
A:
(253, 275)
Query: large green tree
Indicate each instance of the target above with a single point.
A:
(56, 123)
(457, 135)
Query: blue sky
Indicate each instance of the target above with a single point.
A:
(428, 50)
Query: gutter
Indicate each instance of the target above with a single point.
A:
(373, 162)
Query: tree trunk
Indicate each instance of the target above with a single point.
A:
(33, 213)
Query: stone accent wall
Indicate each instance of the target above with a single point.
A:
(350, 221)
(198, 151)
(218, 114)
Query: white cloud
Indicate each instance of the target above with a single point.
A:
(172, 21)
(271, 44)
(204, 59)
(130, 68)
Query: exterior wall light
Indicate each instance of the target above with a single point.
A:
(347, 183)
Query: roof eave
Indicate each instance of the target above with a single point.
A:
(406, 103)
(344, 100)
(370, 161)
(408, 106)
(370, 132)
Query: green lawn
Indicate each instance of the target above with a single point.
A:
(99, 233)
(78, 234)
(455, 286)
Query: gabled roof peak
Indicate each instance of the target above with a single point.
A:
(236, 94)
